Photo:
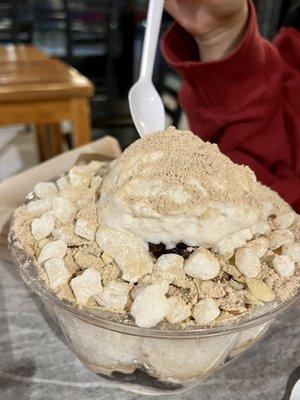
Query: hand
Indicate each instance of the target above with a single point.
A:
(217, 25)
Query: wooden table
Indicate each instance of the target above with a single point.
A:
(35, 89)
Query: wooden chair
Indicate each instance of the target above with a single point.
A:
(35, 89)
(91, 42)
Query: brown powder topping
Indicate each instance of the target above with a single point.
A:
(22, 229)
(86, 260)
(89, 214)
(215, 290)
(92, 248)
(296, 228)
(66, 293)
(234, 293)
(279, 206)
(110, 273)
(231, 269)
(194, 172)
(66, 233)
(188, 294)
(70, 263)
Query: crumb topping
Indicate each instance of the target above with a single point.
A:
(194, 171)
(94, 266)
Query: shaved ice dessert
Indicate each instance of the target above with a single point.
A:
(166, 262)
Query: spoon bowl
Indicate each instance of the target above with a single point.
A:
(146, 107)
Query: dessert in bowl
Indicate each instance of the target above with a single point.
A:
(162, 265)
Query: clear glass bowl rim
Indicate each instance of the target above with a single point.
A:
(105, 320)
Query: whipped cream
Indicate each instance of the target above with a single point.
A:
(172, 187)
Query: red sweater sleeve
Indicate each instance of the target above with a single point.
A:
(248, 103)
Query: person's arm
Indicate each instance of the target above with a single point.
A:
(242, 101)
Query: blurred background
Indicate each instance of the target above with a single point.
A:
(101, 39)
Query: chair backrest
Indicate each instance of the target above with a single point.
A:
(49, 26)
(15, 22)
(270, 15)
(91, 33)
(80, 22)
(79, 31)
(89, 26)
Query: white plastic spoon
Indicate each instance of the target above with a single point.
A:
(146, 106)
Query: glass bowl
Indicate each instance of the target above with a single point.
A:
(155, 361)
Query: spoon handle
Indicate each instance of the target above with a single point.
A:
(154, 16)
